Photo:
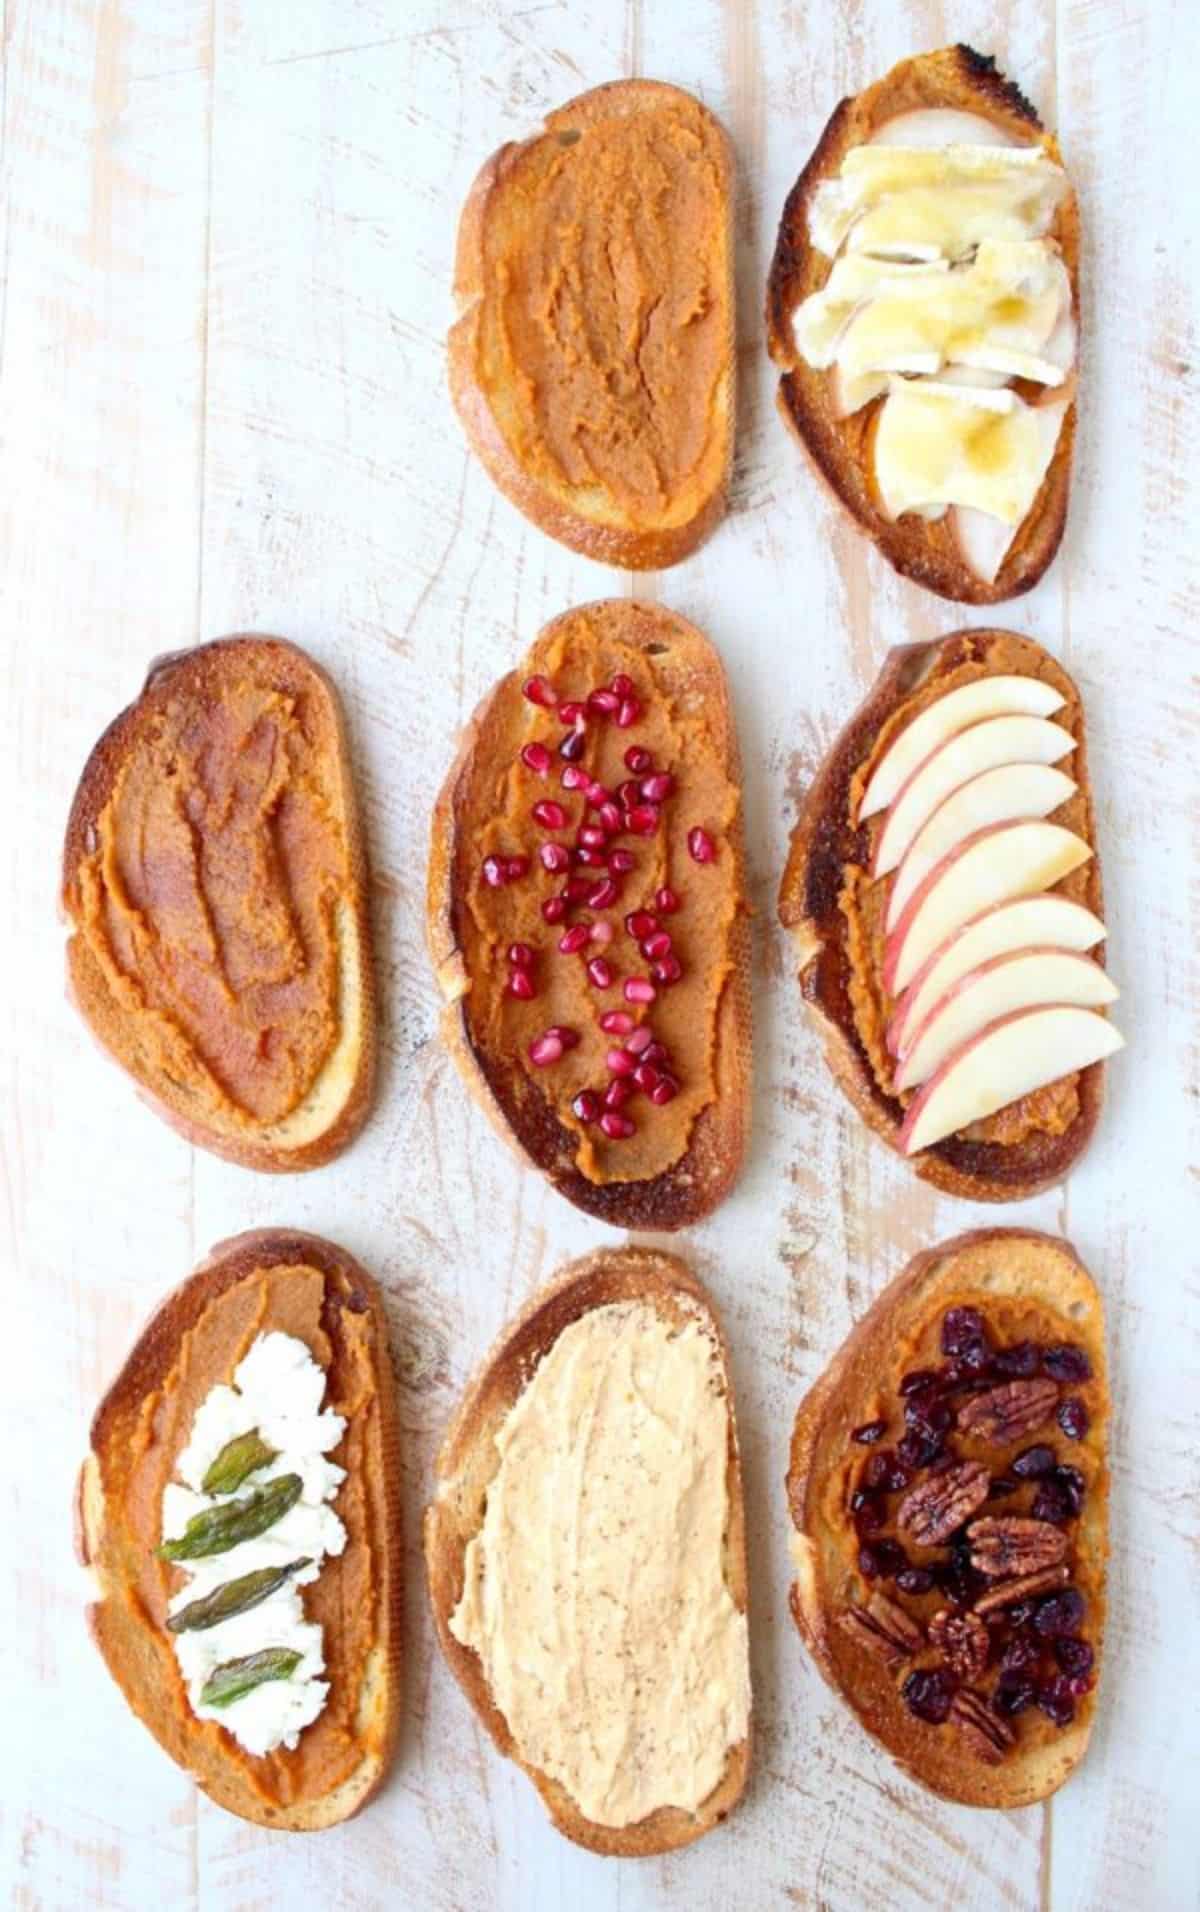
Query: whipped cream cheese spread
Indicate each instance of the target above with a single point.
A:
(277, 1391)
(595, 1593)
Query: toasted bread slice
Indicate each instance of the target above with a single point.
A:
(593, 362)
(928, 552)
(214, 876)
(468, 1465)
(1033, 1144)
(1026, 1285)
(682, 1157)
(266, 1279)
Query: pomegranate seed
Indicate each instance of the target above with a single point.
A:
(617, 1127)
(554, 908)
(593, 836)
(638, 760)
(577, 888)
(664, 1091)
(622, 685)
(615, 1022)
(602, 933)
(629, 713)
(555, 857)
(515, 866)
(575, 939)
(572, 712)
(603, 896)
(701, 847)
(620, 1062)
(573, 778)
(639, 989)
(536, 757)
(655, 1052)
(522, 985)
(549, 814)
(591, 859)
(620, 862)
(600, 973)
(629, 792)
(617, 1093)
(572, 746)
(540, 691)
(640, 923)
(658, 788)
(544, 1050)
(647, 1077)
(668, 970)
(495, 872)
(596, 792)
(642, 819)
(640, 1040)
(586, 1106)
(665, 901)
(609, 817)
(604, 701)
(657, 946)
(568, 1037)
(520, 955)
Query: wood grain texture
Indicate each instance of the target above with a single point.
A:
(227, 231)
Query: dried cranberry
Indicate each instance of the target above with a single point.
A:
(1014, 1692)
(1074, 1656)
(868, 1511)
(1056, 1700)
(957, 1578)
(944, 1458)
(869, 1433)
(1051, 1503)
(917, 1380)
(1073, 1418)
(1020, 1615)
(877, 1469)
(916, 1450)
(927, 1412)
(1061, 1613)
(1002, 1487)
(1067, 1363)
(868, 1562)
(961, 1328)
(1033, 1462)
(891, 1558)
(1020, 1654)
(927, 1694)
(1019, 1362)
(915, 1580)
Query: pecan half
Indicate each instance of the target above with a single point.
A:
(1007, 1544)
(930, 1513)
(1007, 1593)
(1010, 1412)
(882, 1629)
(988, 1736)
(962, 1639)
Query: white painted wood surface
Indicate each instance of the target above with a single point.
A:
(228, 230)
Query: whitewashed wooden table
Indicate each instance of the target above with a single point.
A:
(228, 232)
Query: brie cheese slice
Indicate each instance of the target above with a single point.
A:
(957, 445)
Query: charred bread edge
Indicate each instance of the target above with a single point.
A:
(808, 907)
(712, 1162)
(603, 1277)
(981, 1786)
(955, 77)
(609, 544)
(227, 1263)
(92, 793)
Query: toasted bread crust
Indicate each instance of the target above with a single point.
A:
(841, 449)
(808, 906)
(143, 1673)
(466, 1463)
(1016, 1261)
(86, 985)
(630, 546)
(708, 1169)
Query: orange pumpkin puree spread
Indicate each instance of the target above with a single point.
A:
(605, 323)
(345, 1599)
(863, 900)
(209, 890)
(680, 737)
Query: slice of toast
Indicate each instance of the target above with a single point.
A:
(592, 364)
(1025, 1285)
(682, 1157)
(468, 1465)
(928, 552)
(829, 847)
(295, 1282)
(214, 877)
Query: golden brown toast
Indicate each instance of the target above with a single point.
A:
(680, 1156)
(214, 876)
(868, 1633)
(593, 361)
(468, 1463)
(836, 935)
(842, 448)
(267, 1279)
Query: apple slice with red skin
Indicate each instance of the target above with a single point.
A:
(1022, 980)
(961, 759)
(1007, 859)
(998, 696)
(1010, 1058)
(1024, 922)
(1002, 795)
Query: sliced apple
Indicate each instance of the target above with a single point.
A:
(1025, 922)
(1000, 696)
(940, 126)
(1021, 980)
(1007, 859)
(1009, 791)
(1010, 1058)
(998, 740)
